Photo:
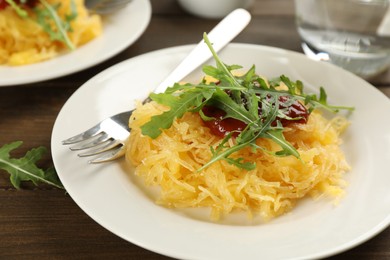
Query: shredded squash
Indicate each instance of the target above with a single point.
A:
(23, 40)
(272, 189)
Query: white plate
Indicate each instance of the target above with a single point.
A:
(118, 201)
(120, 30)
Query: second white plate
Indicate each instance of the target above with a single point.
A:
(120, 30)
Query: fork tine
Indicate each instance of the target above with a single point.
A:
(110, 144)
(109, 155)
(98, 139)
(83, 136)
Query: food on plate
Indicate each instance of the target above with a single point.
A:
(238, 142)
(36, 30)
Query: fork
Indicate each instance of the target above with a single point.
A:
(107, 139)
(104, 7)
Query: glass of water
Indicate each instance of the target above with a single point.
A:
(353, 34)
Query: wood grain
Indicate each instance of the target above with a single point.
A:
(43, 222)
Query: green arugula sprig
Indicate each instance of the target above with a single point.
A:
(25, 168)
(21, 12)
(48, 14)
(49, 20)
(246, 94)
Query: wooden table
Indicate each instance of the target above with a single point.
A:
(44, 222)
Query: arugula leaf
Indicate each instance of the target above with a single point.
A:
(70, 17)
(48, 15)
(287, 149)
(240, 98)
(233, 110)
(187, 101)
(226, 77)
(49, 20)
(295, 91)
(223, 152)
(21, 12)
(25, 168)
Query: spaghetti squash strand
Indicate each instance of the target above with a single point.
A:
(270, 190)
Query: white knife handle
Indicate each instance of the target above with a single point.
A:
(219, 36)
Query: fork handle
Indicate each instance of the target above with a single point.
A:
(220, 35)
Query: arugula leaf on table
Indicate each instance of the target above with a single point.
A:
(25, 168)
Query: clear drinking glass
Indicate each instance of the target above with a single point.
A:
(353, 34)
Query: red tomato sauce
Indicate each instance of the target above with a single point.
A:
(221, 127)
(29, 3)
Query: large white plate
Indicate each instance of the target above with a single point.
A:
(115, 199)
(120, 30)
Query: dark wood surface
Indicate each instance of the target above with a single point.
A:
(43, 222)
